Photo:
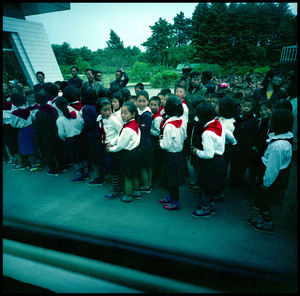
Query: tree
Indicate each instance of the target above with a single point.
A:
(159, 42)
(182, 29)
(114, 41)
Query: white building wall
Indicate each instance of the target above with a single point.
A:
(33, 49)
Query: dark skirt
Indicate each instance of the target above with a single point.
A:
(173, 168)
(146, 155)
(94, 150)
(72, 149)
(27, 141)
(212, 175)
(130, 163)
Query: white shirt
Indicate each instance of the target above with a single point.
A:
(18, 122)
(128, 140)
(68, 128)
(185, 115)
(112, 127)
(173, 137)
(117, 114)
(155, 126)
(214, 144)
(277, 156)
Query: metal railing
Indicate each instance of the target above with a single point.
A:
(289, 55)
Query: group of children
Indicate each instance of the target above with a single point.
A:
(139, 141)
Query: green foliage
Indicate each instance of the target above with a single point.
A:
(262, 70)
(163, 79)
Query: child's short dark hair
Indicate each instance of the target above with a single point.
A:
(131, 108)
(205, 112)
(100, 103)
(173, 106)
(112, 90)
(143, 93)
(133, 97)
(18, 99)
(118, 95)
(156, 98)
(165, 91)
(51, 89)
(228, 107)
(139, 85)
(125, 93)
(71, 93)
(41, 97)
(196, 100)
(281, 121)
(88, 96)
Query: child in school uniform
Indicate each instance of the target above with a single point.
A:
(70, 124)
(128, 142)
(47, 135)
(146, 152)
(117, 103)
(72, 94)
(181, 94)
(242, 156)
(172, 140)
(110, 128)
(212, 164)
(22, 118)
(155, 105)
(91, 135)
(273, 174)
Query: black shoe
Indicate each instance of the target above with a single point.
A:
(52, 173)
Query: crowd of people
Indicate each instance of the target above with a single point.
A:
(208, 131)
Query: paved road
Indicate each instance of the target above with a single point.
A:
(56, 201)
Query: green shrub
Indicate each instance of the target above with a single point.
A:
(163, 79)
(262, 70)
(140, 72)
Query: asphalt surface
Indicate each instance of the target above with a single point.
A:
(56, 201)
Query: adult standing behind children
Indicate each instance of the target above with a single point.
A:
(270, 89)
(75, 80)
(119, 81)
(40, 76)
(92, 82)
(196, 87)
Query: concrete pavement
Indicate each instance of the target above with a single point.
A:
(56, 201)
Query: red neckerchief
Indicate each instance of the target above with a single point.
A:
(133, 124)
(177, 123)
(162, 123)
(7, 105)
(78, 106)
(73, 114)
(33, 107)
(156, 114)
(103, 131)
(22, 113)
(47, 108)
(183, 101)
(215, 127)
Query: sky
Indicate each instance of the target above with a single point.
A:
(89, 24)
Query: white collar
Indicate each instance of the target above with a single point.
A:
(146, 109)
(272, 136)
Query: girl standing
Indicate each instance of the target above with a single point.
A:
(172, 140)
(128, 142)
(70, 124)
(146, 152)
(110, 128)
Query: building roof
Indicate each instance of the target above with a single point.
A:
(20, 10)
